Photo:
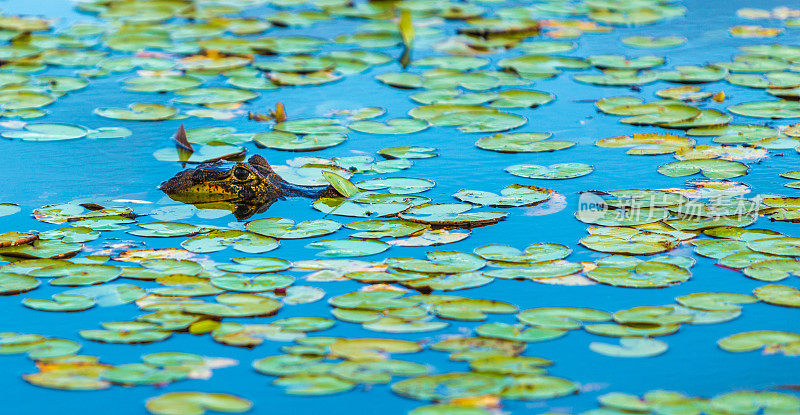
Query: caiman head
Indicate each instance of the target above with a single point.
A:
(223, 182)
(250, 187)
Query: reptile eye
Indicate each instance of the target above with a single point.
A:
(241, 174)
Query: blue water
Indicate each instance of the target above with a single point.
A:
(36, 174)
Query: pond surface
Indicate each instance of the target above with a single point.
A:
(124, 172)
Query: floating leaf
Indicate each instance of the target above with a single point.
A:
(451, 215)
(138, 112)
(11, 284)
(449, 386)
(280, 140)
(408, 152)
(754, 340)
(60, 302)
(564, 318)
(196, 403)
(650, 42)
(768, 109)
(287, 229)
(311, 384)
(393, 126)
(218, 240)
(644, 275)
(631, 347)
(521, 143)
(344, 248)
(78, 274)
(711, 168)
(48, 132)
(715, 301)
(514, 195)
(778, 295)
(551, 172)
(260, 283)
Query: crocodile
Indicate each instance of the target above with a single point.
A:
(248, 187)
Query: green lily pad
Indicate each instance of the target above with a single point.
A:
(650, 42)
(311, 126)
(408, 152)
(110, 132)
(60, 302)
(621, 217)
(20, 100)
(373, 229)
(778, 295)
(129, 333)
(42, 249)
(514, 195)
(563, 318)
(78, 274)
(645, 275)
(196, 403)
(11, 283)
(552, 172)
(289, 364)
(218, 240)
(519, 333)
(260, 283)
(166, 229)
(537, 271)
(48, 132)
(255, 265)
(693, 74)
(8, 209)
(647, 144)
(710, 168)
(287, 229)
(510, 365)
(787, 246)
(313, 384)
(280, 140)
(346, 248)
(715, 301)
(522, 143)
(368, 204)
(538, 252)
(619, 77)
(755, 340)
(622, 240)
(768, 109)
(516, 98)
(451, 215)
(439, 262)
(631, 347)
(397, 185)
(533, 387)
(449, 386)
(161, 83)
(749, 402)
(400, 80)
(138, 112)
(445, 282)
(393, 126)
(143, 374)
(400, 325)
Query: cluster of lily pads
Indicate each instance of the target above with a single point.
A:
(213, 63)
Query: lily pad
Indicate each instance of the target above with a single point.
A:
(552, 172)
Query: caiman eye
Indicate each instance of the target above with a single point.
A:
(241, 173)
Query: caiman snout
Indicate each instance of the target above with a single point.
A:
(206, 183)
